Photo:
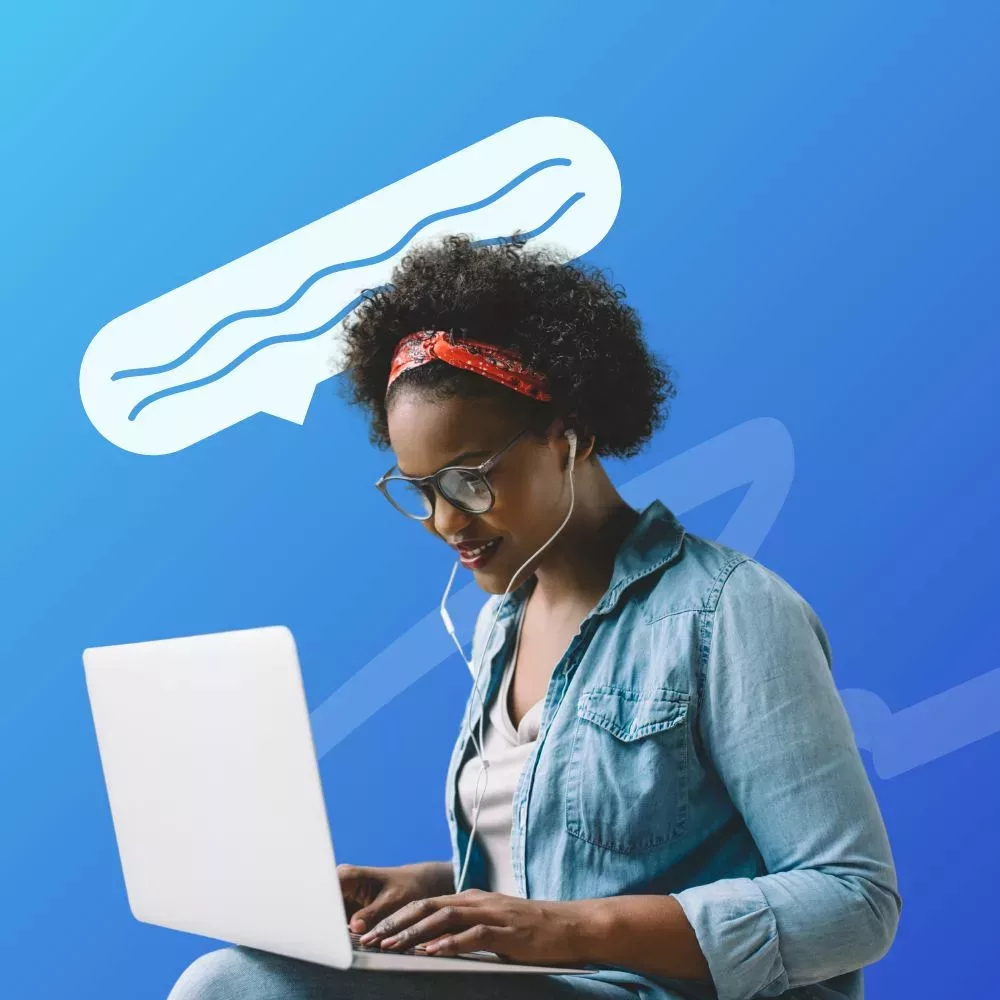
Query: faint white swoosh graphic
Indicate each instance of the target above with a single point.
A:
(930, 729)
(758, 454)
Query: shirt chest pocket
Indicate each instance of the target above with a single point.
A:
(626, 782)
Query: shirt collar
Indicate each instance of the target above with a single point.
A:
(654, 541)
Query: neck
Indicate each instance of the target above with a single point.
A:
(578, 570)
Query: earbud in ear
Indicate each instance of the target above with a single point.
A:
(571, 437)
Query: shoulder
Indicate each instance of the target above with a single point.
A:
(712, 578)
(693, 580)
(756, 627)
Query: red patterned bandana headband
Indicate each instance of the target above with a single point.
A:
(497, 363)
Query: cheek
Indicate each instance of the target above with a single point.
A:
(526, 501)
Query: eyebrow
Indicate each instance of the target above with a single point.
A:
(457, 460)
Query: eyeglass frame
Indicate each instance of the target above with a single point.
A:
(482, 471)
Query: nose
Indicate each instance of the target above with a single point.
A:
(448, 520)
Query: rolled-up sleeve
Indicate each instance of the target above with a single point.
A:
(773, 724)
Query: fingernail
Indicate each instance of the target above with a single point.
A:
(388, 942)
(357, 925)
(368, 938)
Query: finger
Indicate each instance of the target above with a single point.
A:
(351, 874)
(443, 920)
(367, 895)
(419, 909)
(382, 905)
(422, 946)
(402, 917)
(478, 937)
(355, 883)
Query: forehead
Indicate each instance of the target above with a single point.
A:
(427, 433)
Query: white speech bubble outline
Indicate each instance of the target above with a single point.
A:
(258, 334)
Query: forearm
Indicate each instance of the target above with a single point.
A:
(787, 929)
(649, 934)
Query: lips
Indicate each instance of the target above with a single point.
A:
(473, 555)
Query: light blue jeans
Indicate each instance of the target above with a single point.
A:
(247, 974)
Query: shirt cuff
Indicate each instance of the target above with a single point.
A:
(738, 936)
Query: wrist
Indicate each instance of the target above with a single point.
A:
(592, 925)
(437, 876)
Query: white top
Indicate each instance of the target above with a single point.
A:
(507, 748)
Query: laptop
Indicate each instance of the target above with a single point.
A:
(216, 801)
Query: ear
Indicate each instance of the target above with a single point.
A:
(585, 447)
(584, 444)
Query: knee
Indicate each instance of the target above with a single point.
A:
(226, 974)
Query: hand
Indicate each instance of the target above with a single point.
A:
(524, 930)
(373, 893)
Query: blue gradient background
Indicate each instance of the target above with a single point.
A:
(809, 228)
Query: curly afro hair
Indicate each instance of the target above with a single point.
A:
(567, 321)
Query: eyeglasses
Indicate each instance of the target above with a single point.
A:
(464, 487)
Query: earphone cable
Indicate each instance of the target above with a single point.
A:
(478, 743)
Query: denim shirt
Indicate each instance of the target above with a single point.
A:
(693, 743)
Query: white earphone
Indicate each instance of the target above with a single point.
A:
(483, 777)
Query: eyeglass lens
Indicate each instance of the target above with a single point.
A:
(465, 489)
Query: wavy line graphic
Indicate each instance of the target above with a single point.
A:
(287, 338)
(281, 338)
(349, 265)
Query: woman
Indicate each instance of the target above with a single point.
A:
(674, 793)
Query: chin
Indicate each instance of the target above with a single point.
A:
(492, 583)
(494, 579)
